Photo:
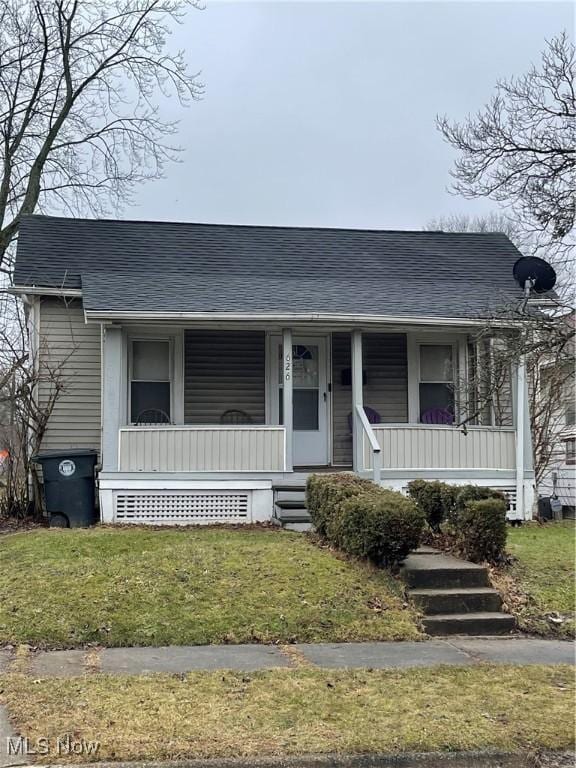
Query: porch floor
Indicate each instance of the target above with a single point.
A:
(324, 468)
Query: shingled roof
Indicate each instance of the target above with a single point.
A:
(163, 268)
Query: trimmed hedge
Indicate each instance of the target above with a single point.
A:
(436, 500)
(466, 493)
(325, 492)
(481, 529)
(476, 517)
(364, 519)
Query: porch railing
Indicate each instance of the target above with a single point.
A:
(424, 446)
(245, 448)
(371, 444)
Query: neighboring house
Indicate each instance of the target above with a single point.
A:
(6, 429)
(559, 476)
(214, 367)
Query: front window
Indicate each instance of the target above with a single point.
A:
(571, 451)
(150, 381)
(436, 385)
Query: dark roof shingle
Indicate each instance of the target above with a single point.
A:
(166, 267)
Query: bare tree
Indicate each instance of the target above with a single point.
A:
(80, 123)
(494, 221)
(520, 150)
(544, 342)
(31, 383)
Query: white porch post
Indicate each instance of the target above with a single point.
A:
(357, 400)
(520, 437)
(111, 396)
(287, 387)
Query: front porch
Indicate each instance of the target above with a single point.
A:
(246, 411)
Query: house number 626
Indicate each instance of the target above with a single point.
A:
(287, 367)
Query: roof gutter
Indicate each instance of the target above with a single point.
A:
(38, 290)
(314, 317)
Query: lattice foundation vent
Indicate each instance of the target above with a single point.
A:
(182, 507)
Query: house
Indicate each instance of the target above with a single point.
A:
(214, 367)
(557, 382)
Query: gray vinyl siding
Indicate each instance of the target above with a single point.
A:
(73, 348)
(385, 364)
(224, 370)
(341, 400)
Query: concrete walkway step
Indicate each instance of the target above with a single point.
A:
(458, 600)
(455, 595)
(429, 571)
(478, 623)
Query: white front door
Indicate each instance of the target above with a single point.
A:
(310, 397)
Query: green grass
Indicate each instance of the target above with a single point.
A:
(119, 587)
(303, 711)
(544, 576)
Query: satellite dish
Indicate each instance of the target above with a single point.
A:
(534, 274)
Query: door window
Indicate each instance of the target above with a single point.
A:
(305, 382)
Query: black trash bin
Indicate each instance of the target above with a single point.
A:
(69, 487)
(545, 508)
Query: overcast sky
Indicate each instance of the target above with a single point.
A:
(323, 114)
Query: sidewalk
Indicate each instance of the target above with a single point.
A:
(455, 651)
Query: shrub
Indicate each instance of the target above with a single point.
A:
(467, 493)
(324, 493)
(436, 500)
(377, 524)
(482, 529)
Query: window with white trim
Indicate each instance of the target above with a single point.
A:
(436, 383)
(151, 381)
(570, 456)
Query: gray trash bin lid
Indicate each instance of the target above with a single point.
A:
(55, 454)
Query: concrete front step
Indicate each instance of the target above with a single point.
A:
(291, 503)
(290, 507)
(293, 516)
(431, 571)
(301, 527)
(480, 623)
(459, 600)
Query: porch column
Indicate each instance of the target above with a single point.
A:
(357, 400)
(520, 437)
(287, 408)
(111, 395)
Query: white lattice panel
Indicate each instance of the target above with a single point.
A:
(181, 507)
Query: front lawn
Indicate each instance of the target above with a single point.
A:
(119, 587)
(539, 586)
(302, 711)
